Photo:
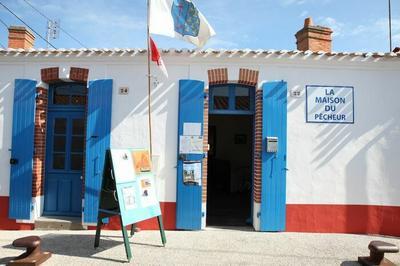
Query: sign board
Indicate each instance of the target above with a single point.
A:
(329, 104)
(135, 185)
(128, 191)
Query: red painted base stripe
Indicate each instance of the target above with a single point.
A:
(168, 210)
(10, 224)
(360, 219)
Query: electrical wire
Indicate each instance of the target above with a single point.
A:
(27, 25)
(2, 22)
(46, 17)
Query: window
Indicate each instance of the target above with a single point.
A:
(69, 94)
(232, 98)
(221, 98)
(242, 98)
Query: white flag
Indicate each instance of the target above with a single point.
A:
(179, 19)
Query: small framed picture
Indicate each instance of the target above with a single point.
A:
(240, 139)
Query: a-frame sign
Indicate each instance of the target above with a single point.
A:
(128, 191)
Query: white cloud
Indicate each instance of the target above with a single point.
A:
(220, 43)
(302, 2)
(303, 14)
(336, 26)
(377, 28)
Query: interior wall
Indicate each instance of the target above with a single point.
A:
(231, 129)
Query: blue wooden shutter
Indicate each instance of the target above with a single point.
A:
(23, 131)
(273, 187)
(188, 198)
(98, 130)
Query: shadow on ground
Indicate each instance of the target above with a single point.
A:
(83, 246)
(350, 263)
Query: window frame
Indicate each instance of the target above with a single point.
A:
(69, 106)
(231, 101)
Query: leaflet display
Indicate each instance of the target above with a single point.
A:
(129, 191)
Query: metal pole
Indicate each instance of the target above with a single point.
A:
(149, 76)
(48, 33)
(390, 27)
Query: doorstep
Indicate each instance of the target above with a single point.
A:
(59, 223)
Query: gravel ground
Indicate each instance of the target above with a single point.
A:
(213, 246)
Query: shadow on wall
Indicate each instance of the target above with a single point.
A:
(5, 129)
(374, 137)
(161, 97)
(370, 151)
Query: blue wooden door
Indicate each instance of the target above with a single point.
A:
(64, 163)
(22, 149)
(97, 142)
(188, 199)
(273, 187)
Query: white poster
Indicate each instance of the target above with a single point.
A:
(147, 192)
(128, 194)
(191, 144)
(192, 129)
(192, 172)
(123, 165)
(330, 104)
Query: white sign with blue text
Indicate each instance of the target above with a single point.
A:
(329, 104)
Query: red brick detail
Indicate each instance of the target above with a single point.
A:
(314, 38)
(20, 37)
(248, 77)
(217, 76)
(79, 74)
(205, 148)
(257, 145)
(50, 75)
(84, 149)
(39, 142)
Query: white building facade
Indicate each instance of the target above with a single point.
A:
(334, 117)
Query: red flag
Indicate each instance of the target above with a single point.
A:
(156, 57)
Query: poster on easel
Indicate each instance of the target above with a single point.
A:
(132, 169)
(129, 191)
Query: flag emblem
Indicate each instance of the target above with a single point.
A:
(186, 18)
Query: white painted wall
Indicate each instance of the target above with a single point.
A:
(328, 163)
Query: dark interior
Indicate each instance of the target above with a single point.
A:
(229, 182)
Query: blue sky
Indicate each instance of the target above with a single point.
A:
(359, 25)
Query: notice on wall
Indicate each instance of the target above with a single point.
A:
(123, 169)
(128, 195)
(147, 192)
(192, 129)
(330, 104)
(192, 172)
(191, 144)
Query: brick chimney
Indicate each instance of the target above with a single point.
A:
(20, 37)
(314, 38)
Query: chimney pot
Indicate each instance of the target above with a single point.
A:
(308, 22)
(20, 37)
(314, 38)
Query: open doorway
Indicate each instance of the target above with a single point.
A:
(230, 160)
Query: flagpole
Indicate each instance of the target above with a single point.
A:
(390, 28)
(149, 76)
